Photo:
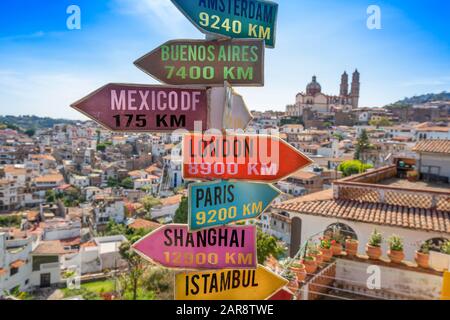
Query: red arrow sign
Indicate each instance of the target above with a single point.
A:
(240, 157)
(141, 108)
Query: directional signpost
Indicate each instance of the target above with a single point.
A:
(240, 157)
(207, 63)
(155, 108)
(222, 202)
(247, 284)
(233, 18)
(173, 246)
(198, 96)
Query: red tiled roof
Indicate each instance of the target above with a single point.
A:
(433, 146)
(143, 224)
(2, 272)
(17, 264)
(373, 213)
(50, 247)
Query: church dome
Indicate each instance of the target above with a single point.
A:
(313, 87)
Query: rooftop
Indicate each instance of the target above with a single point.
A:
(380, 197)
(433, 146)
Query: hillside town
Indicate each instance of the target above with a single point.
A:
(72, 195)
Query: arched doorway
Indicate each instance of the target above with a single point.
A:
(296, 236)
(345, 231)
(434, 244)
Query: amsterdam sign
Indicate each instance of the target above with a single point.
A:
(247, 284)
(218, 203)
(208, 63)
(173, 246)
(155, 108)
(233, 18)
(240, 157)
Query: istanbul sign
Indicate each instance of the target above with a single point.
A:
(247, 284)
(208, 63)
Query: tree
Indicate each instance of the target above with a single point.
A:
(30, 132)
(351, 167)
(113, 229)
(112, 183)
(101, 147)
(149, 202)
(136, 266)
(50, 196)
(181, 215)
(362, 145)
(127, 183)
(381, 122)
(267, 246)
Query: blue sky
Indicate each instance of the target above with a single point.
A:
(44, 67)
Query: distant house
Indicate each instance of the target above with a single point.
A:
(434, 159)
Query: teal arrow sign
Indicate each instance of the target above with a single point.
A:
(218, 203)
(233, 18)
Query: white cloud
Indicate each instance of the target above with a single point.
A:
(161, 14)
(47, 94)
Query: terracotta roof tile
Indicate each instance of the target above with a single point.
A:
(17, 264)
(375, 213)
(433, 146)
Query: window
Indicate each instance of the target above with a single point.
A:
(13, 271)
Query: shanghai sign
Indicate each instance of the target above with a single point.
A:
(256, 284)
(155, 108)
(233, 18)
(221, 202)
(240, 157)
(208, 63)
(173, 246)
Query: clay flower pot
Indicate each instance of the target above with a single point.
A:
(293, 285)
(351, 247)
(300, 270)
(396, 256)
(422, 260)
(374, 253)
(336, 248)
(310, 264)
(327, 254)
(318, 256)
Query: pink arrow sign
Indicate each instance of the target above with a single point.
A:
(172, 246)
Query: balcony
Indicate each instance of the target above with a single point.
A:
(383, 186)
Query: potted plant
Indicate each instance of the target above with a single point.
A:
(299, 269)
(423, 255)
(325, 248)
(445, 248)
(412, 176)
(313, 251)
(351, 246)
(395, 252)
(336, 241)
(310, 264)
(292, 278)
(373, 247)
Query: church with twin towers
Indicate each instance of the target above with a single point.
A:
(316, 101)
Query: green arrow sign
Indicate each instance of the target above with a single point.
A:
(233, 18)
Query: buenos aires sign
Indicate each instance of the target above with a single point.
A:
(173, 246)
(208, 63)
